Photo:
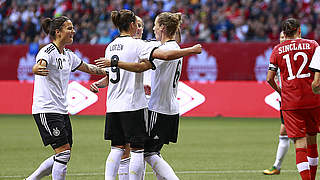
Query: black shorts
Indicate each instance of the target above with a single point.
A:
(126, 127)
(161, 129)
(55, 129)
(281, 116)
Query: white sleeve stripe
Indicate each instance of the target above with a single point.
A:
(303, 166)
(272, 66)
(44, 122)
(313, 161)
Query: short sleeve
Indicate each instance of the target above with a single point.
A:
(76, 62)
(315, 61)
(146, 49)
(43, 55)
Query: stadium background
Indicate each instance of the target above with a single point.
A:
(237, 37)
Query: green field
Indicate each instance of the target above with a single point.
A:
(207, 149)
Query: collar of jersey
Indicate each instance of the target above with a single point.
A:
(124, 36)
(57, 48)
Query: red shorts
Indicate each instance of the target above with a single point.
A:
(301, 122)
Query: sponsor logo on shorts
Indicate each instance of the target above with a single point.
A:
(56, 131)
(156, 137)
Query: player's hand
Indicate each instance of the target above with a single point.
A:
(40, 70)
(102, 62)
(147, 90)
(94, 87)
(197, 48)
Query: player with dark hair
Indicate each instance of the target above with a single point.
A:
(54, 63)
(125, 122)
(300, 106)
(163, 106)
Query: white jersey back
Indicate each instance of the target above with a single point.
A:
(147, 74)
(49, 95)
(164, 83)
(125, 89)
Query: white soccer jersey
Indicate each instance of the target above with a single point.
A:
(147, 74)
(315, 62)
(125, 89)
(49, 95)
(164, 83)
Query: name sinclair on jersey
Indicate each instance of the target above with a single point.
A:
(294, 46)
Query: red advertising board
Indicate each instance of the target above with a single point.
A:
(218, 61)
(222, 98)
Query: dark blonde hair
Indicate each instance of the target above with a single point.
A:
(290, 27)
(171, 22)
(49, 25)
(122, 19)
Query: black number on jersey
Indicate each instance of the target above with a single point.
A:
(59, 63)
(177, 75)
(115, 70)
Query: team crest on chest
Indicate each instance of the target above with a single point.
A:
(56, 131)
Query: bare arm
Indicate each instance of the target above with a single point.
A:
(141, 66)
(316, 83)
(102, 83)
(92, 69)
(176, 54)
(40, 68)
(272, 82)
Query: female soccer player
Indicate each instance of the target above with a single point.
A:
(126, 101)
(163, 103)
(300, 107)
(53, 66)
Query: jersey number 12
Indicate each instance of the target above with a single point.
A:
(304, 63)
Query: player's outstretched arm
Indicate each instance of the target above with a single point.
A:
(141, 66)
(40, 68)
(272, 82)
(102, 83)
(316, 83)
(92, 69)
(168, 55)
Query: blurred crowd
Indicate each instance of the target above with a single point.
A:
(203, 20)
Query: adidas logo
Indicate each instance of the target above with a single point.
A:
(156, 137)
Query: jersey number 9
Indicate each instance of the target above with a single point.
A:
(115, 70)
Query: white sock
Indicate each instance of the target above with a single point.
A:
(112, 163)
(284, 144)
(59, 169)
(44, 169)
(136, 166)
(161, 167)
(123, 172)
(144, 171)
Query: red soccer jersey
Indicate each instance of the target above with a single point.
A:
(293, 57)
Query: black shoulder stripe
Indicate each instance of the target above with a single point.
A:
(50, 49)
(314, 70)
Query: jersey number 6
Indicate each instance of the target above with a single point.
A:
(115, 70)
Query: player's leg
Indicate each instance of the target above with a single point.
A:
(283, 146)
(312, 155)
(162, 169)
(135, 131)
(301, 158)
(162, 129)
(55, 129)
(295, 121)
(123, 172)
(312, 148)
(114, 132)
